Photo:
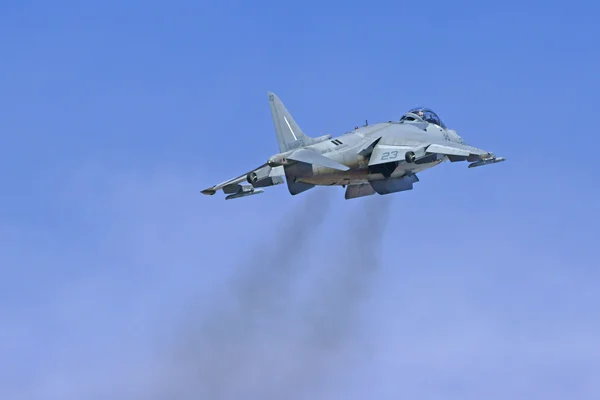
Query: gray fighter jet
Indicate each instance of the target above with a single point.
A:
(381, 158)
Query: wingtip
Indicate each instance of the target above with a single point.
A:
(208, 192)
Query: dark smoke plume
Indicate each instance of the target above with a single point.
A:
(350, 276)
(261, 340)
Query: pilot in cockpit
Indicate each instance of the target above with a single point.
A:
(431, 117)
(426, 115)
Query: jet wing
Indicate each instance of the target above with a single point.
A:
(423, 152)
(456, 149)
(461, 152)
(447, 150)
(259, 177)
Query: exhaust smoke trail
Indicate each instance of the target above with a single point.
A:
(332, 311)
(223, 345)
(349, 279)
(260, 340)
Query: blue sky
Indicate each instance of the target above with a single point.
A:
(114, 117)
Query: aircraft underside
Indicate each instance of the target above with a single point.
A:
(360, 175)
(360, 182)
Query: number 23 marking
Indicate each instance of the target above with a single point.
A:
(389, 155)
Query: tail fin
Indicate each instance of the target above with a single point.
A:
(289, 134)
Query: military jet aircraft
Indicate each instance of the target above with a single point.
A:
(381, 158)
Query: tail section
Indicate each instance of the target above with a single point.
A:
(289, 134)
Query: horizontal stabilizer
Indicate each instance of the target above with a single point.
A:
(312, 157)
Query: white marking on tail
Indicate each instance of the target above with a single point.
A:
(291, 130)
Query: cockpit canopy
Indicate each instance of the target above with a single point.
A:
(427, 115)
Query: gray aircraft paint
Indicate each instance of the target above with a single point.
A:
(381, 158)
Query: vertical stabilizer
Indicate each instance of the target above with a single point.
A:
(289, 134)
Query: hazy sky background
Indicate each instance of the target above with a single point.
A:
(120, 280)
